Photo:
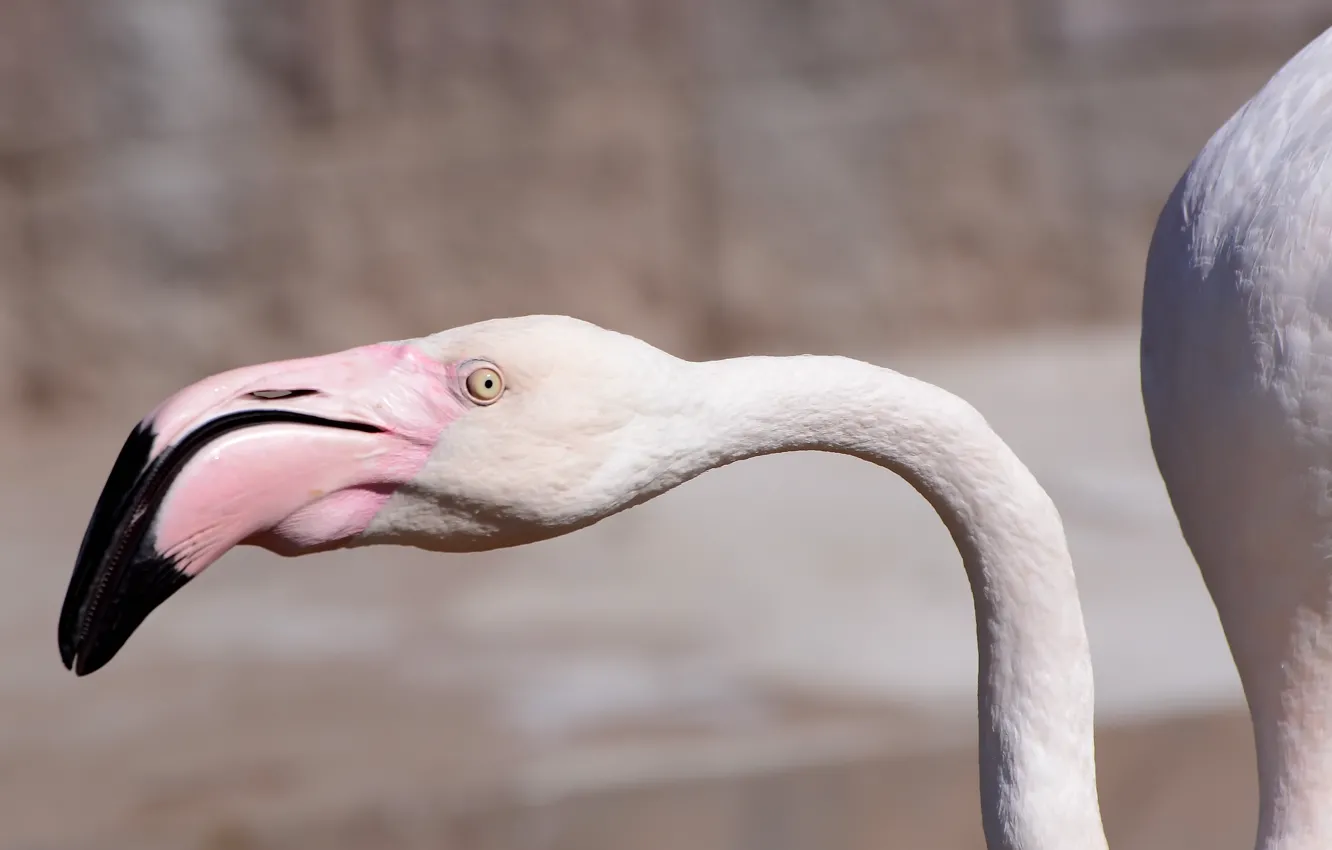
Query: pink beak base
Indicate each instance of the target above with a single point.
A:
(296, 456)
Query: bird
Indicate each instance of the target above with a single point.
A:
(515, 430)
(1235, 361)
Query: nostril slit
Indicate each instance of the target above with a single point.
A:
(269, 395)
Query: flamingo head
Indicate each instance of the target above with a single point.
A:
(482, 437)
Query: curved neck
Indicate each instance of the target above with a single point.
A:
(1037, 763)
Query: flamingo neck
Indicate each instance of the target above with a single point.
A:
(1037, 762)
(1293, 739)
(1280, 634)
(1250, 486)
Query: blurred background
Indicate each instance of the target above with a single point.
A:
(778, 656)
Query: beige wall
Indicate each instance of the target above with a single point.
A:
(185, 187)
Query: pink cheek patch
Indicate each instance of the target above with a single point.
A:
(296, 488)
(291, 486)
(416, 401)
(336, 517)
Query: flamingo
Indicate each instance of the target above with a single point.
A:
(512, 431)
(1236, 364)
(515, 430)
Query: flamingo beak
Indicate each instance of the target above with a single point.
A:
(295, 456)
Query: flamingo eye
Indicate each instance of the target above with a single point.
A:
(484, 385)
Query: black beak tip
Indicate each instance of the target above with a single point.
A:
(92, 662)
(119, 575)
(103, 626)
(78, 614)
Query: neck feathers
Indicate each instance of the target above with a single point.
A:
(1035, 682)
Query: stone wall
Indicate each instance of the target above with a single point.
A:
(190, 186)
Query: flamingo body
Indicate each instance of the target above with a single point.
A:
(1236, 360)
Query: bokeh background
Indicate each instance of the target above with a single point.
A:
(778, 656)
